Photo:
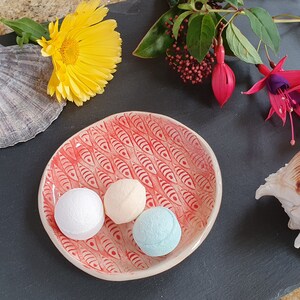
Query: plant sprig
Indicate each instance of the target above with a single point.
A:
(26, 29)
(205, 18)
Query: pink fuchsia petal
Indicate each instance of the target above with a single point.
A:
(271, 112)
(293, 77)
(296, 88)
(256, 87)
(297, 110)
(279, 66)
(223, 83)
(264, 70)
(278, 105)
(294, 96)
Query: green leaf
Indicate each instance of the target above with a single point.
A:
(185, 6)
(240, 45)
(200, 34)
(156, 41)
(241, 2)
(24, 39)
(263, 26)
(28, 26)
(235, 3)
(192, 17)
(178, 22)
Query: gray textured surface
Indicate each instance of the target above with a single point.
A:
(249, 253)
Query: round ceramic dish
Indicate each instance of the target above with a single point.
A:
(177, 167)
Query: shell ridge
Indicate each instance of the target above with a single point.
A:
(25, 107)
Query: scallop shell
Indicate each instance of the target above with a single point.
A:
(285, 186)
(25, 107)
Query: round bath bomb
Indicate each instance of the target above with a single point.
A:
(157, 231)
(79, 213)
(124, 200)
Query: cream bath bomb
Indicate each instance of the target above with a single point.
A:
(124, 200)
(79, 213)
(157, 231)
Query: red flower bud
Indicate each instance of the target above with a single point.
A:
(220, 54)
(263, 69)
(223, 79)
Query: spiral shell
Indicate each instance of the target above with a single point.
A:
(285, 186)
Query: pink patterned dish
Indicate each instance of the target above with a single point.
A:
(177, 167)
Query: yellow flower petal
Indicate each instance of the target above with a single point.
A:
(53, 83)
(90, 86)
(87, 7)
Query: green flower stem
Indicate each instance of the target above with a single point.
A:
(223, 18)
(223, 10)
(286, 20)
(230, 20)
(267, 54)
(259, 44)
(287, 16)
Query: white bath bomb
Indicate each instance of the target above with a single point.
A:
(125, 200)
(79, 213)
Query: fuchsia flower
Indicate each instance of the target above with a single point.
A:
(283, 89)
(223, 79)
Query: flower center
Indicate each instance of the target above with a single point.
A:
(69, 51)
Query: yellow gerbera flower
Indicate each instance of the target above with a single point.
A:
(84, 50)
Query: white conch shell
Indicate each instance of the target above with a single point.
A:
(25, 107)
(285, 186)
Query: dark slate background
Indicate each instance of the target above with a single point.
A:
(249, 253)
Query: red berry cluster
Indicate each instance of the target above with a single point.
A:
(180, 60)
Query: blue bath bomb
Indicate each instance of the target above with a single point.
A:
(157, 231)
